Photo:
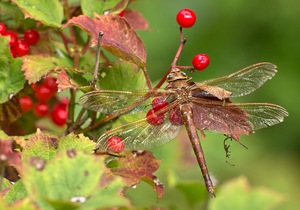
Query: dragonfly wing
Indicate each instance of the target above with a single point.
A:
(109, 101)
(261, 115)
(140, 135)
(214, 116)
(246, 80)
(236, 118)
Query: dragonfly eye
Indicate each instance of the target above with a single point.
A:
(169, 77)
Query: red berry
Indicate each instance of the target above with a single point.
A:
(200, 61)
(25, 103)
(63, 103)
(115, 144)
(21, 48)
(155, 119)
(186, 18)
(2, 29)
(13, 52)
(43, 93)
(121, 14)
(31, 36)
(59, 115)
(13, 38)
(175, 116)
(34, 86)
(41, 109)
(51, 83)
(159, 103)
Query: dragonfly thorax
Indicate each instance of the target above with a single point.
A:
(176, 74)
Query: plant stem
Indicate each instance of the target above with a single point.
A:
(98, 53)
(179, 50)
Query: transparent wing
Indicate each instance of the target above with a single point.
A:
(235, 118)
(109, 101)
(262, 115)
(245, 81)
(140, 135)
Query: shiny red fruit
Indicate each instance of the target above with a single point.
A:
(13, 52)
(13, 38)
(115, 144)
(159, 103)
(63, 103)
(155, 119)
(25, 103)
(41, 109)
(51, 83)
(31, 36)
(59, 115)
(122, 13)
(186, 18)
(200, 61)
(21, 48)
(2, 29)
(43, 93)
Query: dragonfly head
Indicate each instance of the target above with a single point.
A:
(176, 74)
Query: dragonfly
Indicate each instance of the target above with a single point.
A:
(197, 106)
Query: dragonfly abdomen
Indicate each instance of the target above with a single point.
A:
(187, 115)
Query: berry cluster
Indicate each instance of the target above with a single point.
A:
(186, 18)
(45, 103)
(20, 47)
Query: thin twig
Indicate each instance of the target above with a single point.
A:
(96, 70)
(148, 80)
(182, 43)
(86, 46)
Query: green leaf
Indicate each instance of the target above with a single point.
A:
(25, 204)
(49, 12)
(119, 37)
(121, 75)
(36, 66)
(11, 78)
(108, 197)
(89, 7)
(41, 146)
(78, 142)
(71, 179)
(17, 192)
(194, 192)
(237, 194)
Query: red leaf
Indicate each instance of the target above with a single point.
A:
(138, 166)
(119, 38)
(10, 158)
(136, 20)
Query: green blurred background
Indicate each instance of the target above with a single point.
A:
(236, 34)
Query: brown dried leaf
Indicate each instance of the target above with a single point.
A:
(10, 157)
(136, 20)
(10, 110)
(64, 82)
(119, 38)
(138, 166)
